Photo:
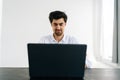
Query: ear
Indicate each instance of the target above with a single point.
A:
(65, 24)
(51, 24)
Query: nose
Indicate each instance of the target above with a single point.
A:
(58, 26)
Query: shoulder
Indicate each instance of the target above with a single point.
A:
(44, 38)
(71, 39)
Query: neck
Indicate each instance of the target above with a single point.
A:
(58, 38)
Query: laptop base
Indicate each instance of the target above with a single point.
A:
(56, 78)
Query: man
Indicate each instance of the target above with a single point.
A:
(58, 20)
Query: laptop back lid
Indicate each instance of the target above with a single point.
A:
(56, 60)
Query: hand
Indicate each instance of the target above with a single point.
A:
(86, 66)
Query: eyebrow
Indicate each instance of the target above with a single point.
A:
(58, 23)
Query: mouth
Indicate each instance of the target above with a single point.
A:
(57, 30)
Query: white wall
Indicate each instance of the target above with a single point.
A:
(0, 27)
(26, 21)
(97, 11)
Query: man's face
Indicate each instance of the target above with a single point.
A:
(58, 26)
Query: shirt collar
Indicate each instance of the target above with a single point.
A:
(53, 39)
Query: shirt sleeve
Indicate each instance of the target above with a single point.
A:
(74, 40)
(88, 63)
(42, 40)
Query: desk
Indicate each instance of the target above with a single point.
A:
(90, 74)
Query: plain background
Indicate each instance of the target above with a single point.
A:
(25, 21)
(0, 26)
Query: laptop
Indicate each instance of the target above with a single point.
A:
(56, 60)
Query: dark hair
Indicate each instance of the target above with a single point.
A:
(57, 15)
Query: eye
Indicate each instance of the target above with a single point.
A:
(61, 24)
(55, 24)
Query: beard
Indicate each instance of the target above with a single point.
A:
(58, 32)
